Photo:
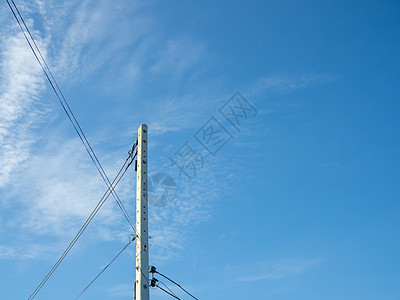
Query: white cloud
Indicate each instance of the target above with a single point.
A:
(96, 32)
(280, 269)
(287, 83)
(59, 188)
(171, 226)
(178, 56)
(175, 115)
(31, 251)
(57, 185)
(20, 111)
(54, 194)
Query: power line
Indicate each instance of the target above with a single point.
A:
(153, 270)
(123, 249)
(167, 287)
(168, 292)
(115, 182)
(66, 107)
(153, 283)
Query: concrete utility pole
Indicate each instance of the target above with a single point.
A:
(142, 249)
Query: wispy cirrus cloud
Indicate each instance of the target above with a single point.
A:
(59, 186)
(34, 251)
(56, 187)
(53, 196)
(274, 270)
(179, 56)
(96, 31)
(288, 83)
(21, 84)
(172, 225)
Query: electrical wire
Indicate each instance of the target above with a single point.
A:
(123, 249)
(176, 284)
(67, 108)
(167, 287)
(115, 182)
(168, 292)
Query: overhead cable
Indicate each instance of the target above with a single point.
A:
(167, 287)
(172, 295)
(123, 249)
(115, 182)
(153, 270)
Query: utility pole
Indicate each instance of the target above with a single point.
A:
(142, 249)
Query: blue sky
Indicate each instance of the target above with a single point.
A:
(301, 203)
